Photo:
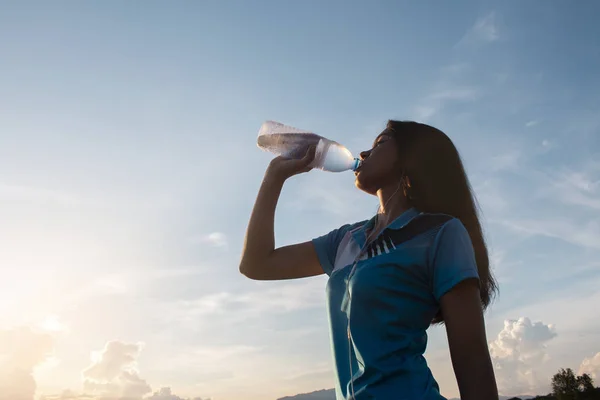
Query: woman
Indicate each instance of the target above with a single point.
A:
(421, 260)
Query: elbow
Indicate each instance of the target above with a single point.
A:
(243, 268)
(248, 272)
(255, 268)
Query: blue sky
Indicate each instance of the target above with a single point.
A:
(129, 169)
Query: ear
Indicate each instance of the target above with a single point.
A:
(406, 186)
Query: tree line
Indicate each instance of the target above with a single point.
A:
(568, 386)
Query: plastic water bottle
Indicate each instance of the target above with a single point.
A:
(292, 142)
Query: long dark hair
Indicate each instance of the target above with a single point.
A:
(437, 183)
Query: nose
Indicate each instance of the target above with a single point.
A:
(364, 154)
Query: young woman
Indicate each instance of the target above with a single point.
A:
(421, 260)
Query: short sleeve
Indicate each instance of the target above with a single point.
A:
(326, 247)
(453, 258)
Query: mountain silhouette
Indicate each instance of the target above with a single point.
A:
(329, 394)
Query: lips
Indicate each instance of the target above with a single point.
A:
(357, 170)
(360, 167)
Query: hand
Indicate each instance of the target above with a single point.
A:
(284, 168)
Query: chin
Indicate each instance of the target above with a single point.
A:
(363, 184)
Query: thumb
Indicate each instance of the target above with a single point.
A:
(306, 161)
(310, 155)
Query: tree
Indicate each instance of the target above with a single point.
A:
(565, 385)
(585, 383)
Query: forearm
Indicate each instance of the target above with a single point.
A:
(475, 374)
(259, 241)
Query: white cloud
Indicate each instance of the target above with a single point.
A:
(216, 239)
(449, 87)
(580, 234)
(458, 93)
(166, 394)
(36, 194)
(532, 123)
(445, 94)
(215, 353)
(113, 372)
(505, 161)
(52, 324)
(69, 395)
(571, 186)
(298, 373)
(583, 182)
(21, 351)
(485, 30)
(289, 297)
(591, 366)
(517, 352)
(584, 123)
(332, 194)
(129, 281)
(491, 197)
(321, 198)
(503, 269)
(455, 69)
(424, 112)
(578, 188)
(111, 284)
(235, 307)
(113, 375)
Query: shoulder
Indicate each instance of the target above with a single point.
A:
(448, 225)
(450, 239)
(436, 229)
(346, 231)
(435, 221)
(327, 245)
(340, 232)
(451, 257)
(355, 226)
(439, 227)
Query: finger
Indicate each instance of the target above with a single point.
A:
(307, 168)
(310, 155)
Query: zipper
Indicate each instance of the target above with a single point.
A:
(350, 275)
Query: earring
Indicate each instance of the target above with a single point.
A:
(406, 186)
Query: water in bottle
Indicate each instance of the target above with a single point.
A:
(292, 142)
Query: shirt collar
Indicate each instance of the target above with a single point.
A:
(360, 235)
(403, 218)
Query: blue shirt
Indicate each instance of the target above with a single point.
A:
(378, 322)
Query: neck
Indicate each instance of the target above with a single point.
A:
(392, 204)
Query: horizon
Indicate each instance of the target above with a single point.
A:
(130, 167)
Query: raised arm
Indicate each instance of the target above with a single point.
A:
(260, 259)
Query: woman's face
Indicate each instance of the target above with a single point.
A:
(379, 166)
